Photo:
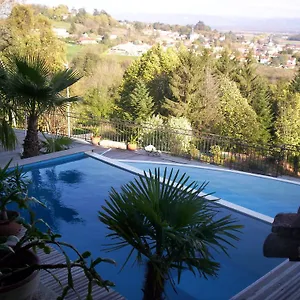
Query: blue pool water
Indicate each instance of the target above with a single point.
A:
(263, 195)
(74, 190)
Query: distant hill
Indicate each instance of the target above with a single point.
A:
(219, 22)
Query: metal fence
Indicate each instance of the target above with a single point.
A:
(268, 159)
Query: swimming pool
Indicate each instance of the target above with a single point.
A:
(74, 188)
(262, 194)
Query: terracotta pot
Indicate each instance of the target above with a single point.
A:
(131, 147)
(21, 286)
(96, 140)
(10, 226)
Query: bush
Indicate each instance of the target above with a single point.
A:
(55, 143)
(180, 136)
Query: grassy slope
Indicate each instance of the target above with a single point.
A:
(61, 24)
(73, 50)
(273, 74)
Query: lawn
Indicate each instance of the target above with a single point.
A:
(61, 24)
(73, 50)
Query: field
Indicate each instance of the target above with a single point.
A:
(61, 24)
(73, 50)
(274, 74)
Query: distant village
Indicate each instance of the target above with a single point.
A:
(265, 49)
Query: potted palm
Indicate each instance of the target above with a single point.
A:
(96, 136)
(169, 227)
(132, 143)
(13, 189)
(20, 265)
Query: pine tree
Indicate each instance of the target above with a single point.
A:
(228, 65)
(295, 84)
(149, 67)
(206, 106)
(141, 103)
(260, 100)
(185, 84)
(256, 91)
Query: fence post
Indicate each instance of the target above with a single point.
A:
(69, 120)
(68, 113)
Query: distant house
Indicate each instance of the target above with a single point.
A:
(87, 41)
(130, 49)
(265, 60)
(291, 63)
(113, 37)
(61, 32)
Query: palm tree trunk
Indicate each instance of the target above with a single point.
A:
(31, 141)
(154, 283)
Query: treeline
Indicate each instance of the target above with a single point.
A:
(294, 37)
(100, 21)
(196, 90)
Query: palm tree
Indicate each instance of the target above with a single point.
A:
(166, 221)
(30, 82)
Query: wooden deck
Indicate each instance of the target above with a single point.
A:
(282, 283)
(80, 282)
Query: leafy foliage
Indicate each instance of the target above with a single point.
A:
(165, 220)
(30, 33)
(55, 143)
(287, 124)
(239, 120)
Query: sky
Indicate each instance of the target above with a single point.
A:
(241, 8)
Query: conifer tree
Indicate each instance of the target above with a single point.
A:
(185, 84)
(141, 103)
(295, 84)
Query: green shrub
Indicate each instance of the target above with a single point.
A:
(55, 143)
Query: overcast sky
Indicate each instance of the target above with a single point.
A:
(244, 8)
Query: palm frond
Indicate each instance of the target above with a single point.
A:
(63, 79)
(8, 139)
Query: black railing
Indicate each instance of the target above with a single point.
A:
(268, 159)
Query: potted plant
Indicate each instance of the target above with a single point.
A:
(13, 189)
(96, 136)
(132, 143)
(20, 265)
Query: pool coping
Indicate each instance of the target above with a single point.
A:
(41, 158)
(220, 201)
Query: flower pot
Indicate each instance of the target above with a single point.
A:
(10, 226)
(21, 286)
(131, 147)
(96, 140)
